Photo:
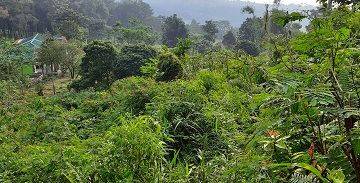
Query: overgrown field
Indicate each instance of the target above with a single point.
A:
(290, 114)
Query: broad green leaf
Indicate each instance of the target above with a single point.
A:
(281, 145)
(336, 176)
(344, 33)
(356, 140)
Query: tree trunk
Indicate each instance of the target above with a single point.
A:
(72, 73)
(22, 81)
(53, 85)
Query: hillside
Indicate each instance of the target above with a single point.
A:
(119, 101)
(202, 10)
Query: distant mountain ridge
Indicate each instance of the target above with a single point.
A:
(202, 10)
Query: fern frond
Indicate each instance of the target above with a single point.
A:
(299, 178)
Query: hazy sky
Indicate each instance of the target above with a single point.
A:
(310, 2)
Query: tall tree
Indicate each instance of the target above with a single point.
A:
(210, 30)
(136, 33)
(223, 27)
(72, 57)
(173, 30)
(65, 56)
(103, 64)
(195, 28)
(229, 40)
(96, 69)
(249, 10)
(17, 19)
(131, 59)
(274, 27)
(329, 3)
(251, 30)
(68, 22)
(73, 18)
(127, 9)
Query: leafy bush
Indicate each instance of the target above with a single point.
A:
(169, 67)
(134, 152)
(131, 59)
(248, 47)
(133, 94)
(97, 66)
(103, 64)
(210, 81)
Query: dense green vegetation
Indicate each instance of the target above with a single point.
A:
(71, 18)
(268, 103)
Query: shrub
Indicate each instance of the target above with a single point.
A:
(248, 47)
(97, 66)
(103, 64)
(133, 94)
(131, 59)
(179, 106)
(209, 80)
(169, 67)
(133, 152)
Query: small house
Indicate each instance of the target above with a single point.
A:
(35, 43)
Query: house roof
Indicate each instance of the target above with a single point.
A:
(37, 40)
(34, 42)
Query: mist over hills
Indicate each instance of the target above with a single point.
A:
(202, 10)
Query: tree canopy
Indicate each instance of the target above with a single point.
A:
(173, 29)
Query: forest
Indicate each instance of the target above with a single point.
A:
(96, 91)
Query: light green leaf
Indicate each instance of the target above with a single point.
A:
(344, 33)
(336, 176)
